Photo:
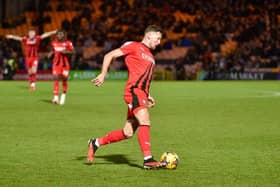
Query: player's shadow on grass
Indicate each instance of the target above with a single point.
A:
(113, 159)
(46, 101)
(23, 87)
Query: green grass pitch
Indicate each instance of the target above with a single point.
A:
(226, 134)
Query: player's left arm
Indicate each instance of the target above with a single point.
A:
(48, 34)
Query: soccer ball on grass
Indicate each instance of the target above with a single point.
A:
(171, 159)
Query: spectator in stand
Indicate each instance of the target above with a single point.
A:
(205, 21)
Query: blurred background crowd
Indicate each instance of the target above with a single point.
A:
(214, 36)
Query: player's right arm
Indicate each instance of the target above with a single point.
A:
(14, 37)
(48, 34)
(108, 58)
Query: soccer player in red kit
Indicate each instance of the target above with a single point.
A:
(140, 63)
(31, 44)
(62, 48)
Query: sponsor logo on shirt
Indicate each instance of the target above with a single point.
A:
(31, 41)
(148, 58)
(59, 48)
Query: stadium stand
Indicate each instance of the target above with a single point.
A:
(218, 35)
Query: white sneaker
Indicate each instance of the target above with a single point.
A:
(62, 99)
(55, 99)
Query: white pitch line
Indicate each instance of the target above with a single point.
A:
(269, 94)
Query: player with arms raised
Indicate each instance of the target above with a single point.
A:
(31, 44)
(62, 48)
(140, 63)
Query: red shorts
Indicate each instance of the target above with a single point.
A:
(61, 71)
(136, 100)
(31, 62)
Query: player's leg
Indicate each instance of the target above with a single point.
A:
(28, 66)
(32, 73)
(140, 109)
(64, 79)
(55, 72)
(141, 113)
(113, 136)
(117, 135)
(143, 118)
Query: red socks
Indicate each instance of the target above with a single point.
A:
(112, 137)
(64, 86)
(118, 135)
(32, 78)
(29, 78)
(144, 140)
(56, 87)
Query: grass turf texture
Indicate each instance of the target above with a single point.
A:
(225, 133)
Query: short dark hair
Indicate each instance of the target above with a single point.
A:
(61, 30)
(153, 28)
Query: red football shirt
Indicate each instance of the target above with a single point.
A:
(59, 58)
(140, 63)
(31, 46)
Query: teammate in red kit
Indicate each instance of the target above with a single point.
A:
(140, 63)
(62, 48)
(31, 44)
